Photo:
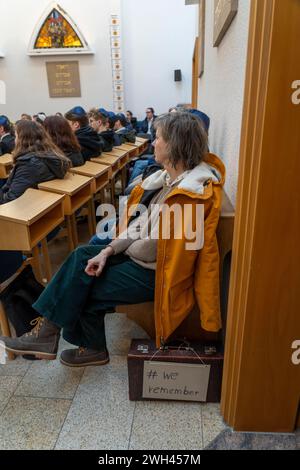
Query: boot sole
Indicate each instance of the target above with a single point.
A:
(85, 364)
(37, 354)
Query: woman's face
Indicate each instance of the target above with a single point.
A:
(161, 149)
(128, 115)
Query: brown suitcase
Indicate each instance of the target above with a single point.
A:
(145, 350)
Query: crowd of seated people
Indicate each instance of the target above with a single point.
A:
(117, 270)
(123, 269)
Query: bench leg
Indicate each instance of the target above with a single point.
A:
(5, 328)
(91, 217)
(70, 232)
(74, 230)
(37, 264)
(47, 263)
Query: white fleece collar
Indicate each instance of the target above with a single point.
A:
(193, 181)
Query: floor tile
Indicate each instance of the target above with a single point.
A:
(19, 366)
(7, 387)
(101, 414)
(229, 440)
(166, 425)
(32, 423)
(212, 422)
(50, 379)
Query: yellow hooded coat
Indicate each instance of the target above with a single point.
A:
(184, 275)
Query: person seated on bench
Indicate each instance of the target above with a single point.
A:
(146, 127)
(36, 159)
(88, 138)
(7, 139)
(125, 134)
(99, 122)
(60, 132)
(134, 266)
(131, 121)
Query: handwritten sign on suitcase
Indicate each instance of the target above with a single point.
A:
(173, 381)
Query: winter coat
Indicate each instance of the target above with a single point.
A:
(75, 157)
(89, 142)
(7, 144)
(107, 140)
(127, 135)
(184, 275)
(30, 170)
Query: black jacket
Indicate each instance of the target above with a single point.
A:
(30, 170)
(127, 135)
(89, 142)
(144, 126)
(7, 144)
(107, 140)
(75, 157)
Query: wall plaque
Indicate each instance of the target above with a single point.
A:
(63, 79)
(224, 12)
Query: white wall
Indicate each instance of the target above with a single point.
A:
(158, 37)
(221, 89)
(26, 78)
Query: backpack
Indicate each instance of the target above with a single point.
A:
(18, 298)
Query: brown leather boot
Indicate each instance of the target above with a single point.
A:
(41, 341)
(82, 357)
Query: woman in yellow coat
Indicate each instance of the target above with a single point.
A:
(166, 251)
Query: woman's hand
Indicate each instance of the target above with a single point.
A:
(96, 265)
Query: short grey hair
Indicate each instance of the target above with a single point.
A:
(185, 136)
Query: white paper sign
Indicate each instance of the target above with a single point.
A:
(173, 381)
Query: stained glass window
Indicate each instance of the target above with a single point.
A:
(56, 32)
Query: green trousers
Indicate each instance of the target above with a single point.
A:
(78, 303)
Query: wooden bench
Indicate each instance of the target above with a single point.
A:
(6, 164)
(26, 222)
(114, 162)
(78, 191)
(101, 175)
(143, 314)
(132, 150)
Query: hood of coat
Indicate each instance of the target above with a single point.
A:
(87, 137)
(107, 135)
(211, 169)
(55, 165)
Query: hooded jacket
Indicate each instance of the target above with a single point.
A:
(89, 142)
(184, 275)
(30, 170)
(75, 157)
(107, 140)
(7, 144)
(126, 135)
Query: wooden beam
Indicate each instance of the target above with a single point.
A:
(261, 385)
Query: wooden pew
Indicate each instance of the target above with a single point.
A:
(101, 175)
(131, 149)
(143, 314)
(6, 164)
(78, 191)
(26, 222)
(114, 162)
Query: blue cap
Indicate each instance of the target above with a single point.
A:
(204, 118)
(4, 121)
(104, 112)
(111, 114)
(78, 111)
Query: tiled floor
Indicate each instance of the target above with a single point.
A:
(45, 405)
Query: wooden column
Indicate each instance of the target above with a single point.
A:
(261, 385)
